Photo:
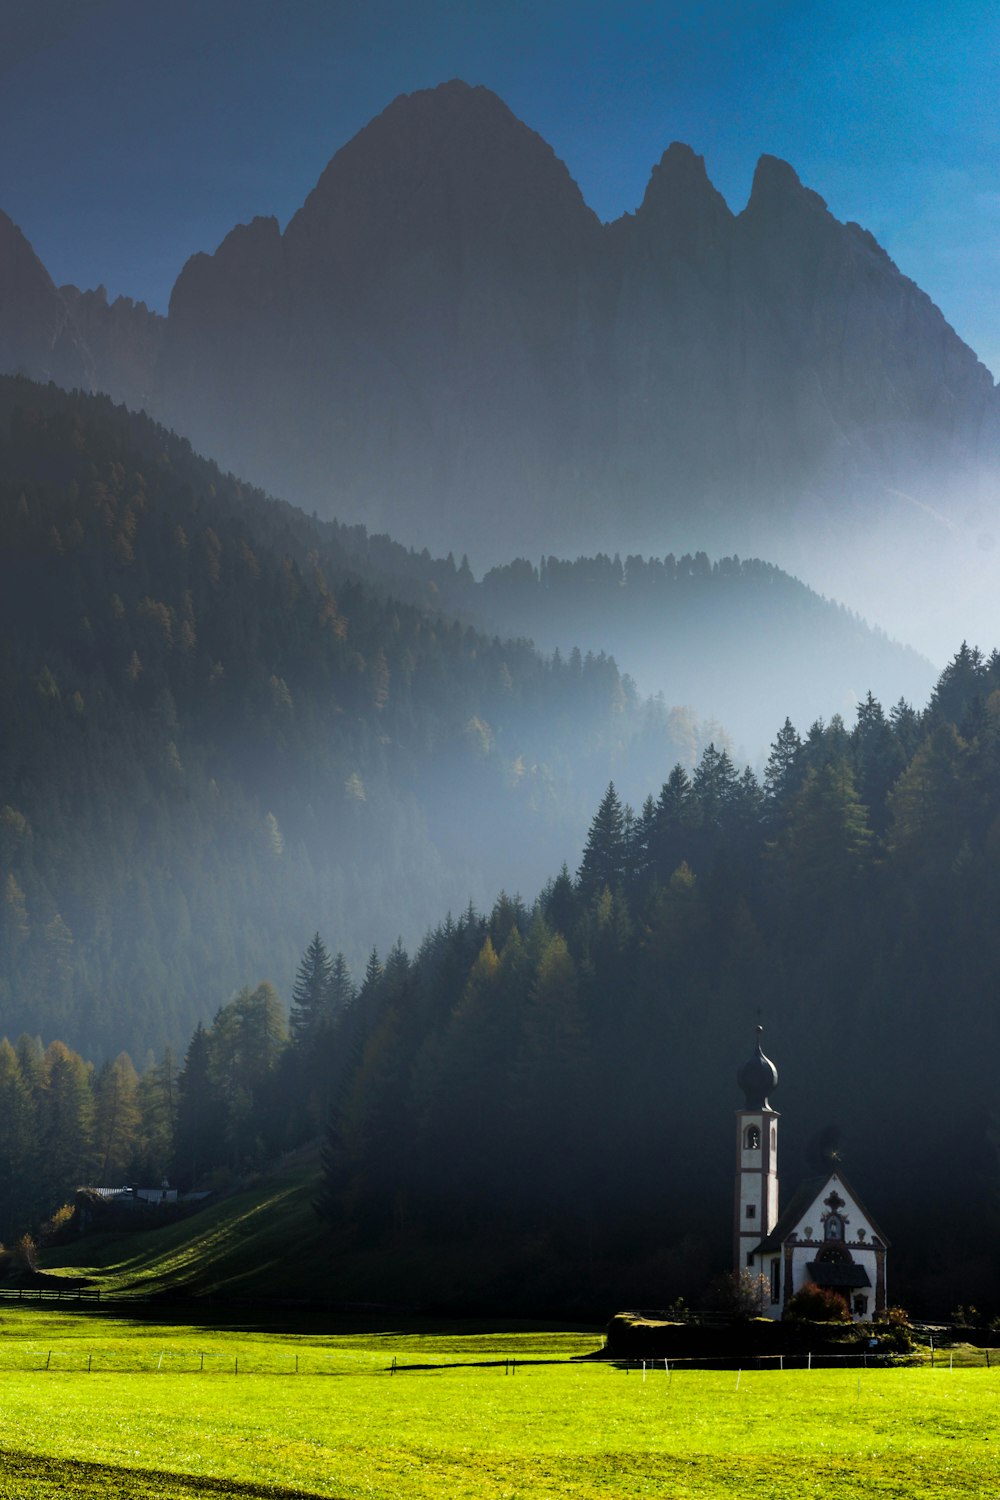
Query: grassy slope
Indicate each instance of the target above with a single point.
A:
(267, 1242)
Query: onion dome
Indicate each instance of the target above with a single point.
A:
(757, 1075)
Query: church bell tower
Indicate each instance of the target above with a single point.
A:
(756, 1198)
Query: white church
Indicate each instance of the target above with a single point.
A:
(825, 1235)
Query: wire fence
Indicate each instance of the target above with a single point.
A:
(50, 1294)
(325, 1362)
(940, 1359)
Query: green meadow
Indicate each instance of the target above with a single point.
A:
(96, 1405)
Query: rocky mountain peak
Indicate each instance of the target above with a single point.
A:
(244, 268)
(777, 189)
(680, 177)
(448, 168)
(681, 211)
(460, 135)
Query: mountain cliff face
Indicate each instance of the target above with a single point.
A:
(445, 340)
(123, 340)
(38, 336)
(418, 337)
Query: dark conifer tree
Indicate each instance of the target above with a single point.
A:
(906, 726)
(342, 991)
(674, 819)
(605, 853)
(715, 784)
(643, 858)
(312, 997)
(877, 758)
(200, 1120)
(157, 1097)
(783, 772)
(961, 681)
(824, 850)
(19, 1199)
(559, 903)
(65, 1122)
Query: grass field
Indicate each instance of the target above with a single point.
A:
(147, 1420)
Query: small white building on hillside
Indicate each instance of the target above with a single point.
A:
(825, 1236)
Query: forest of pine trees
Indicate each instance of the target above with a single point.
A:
(218, 734)
(563, 1074)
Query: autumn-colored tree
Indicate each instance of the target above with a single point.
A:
(65, 1123)
(117, 1119)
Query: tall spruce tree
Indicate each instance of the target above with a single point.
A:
(604, 857)
(199, 1114)
(783, 772)
(312, 994)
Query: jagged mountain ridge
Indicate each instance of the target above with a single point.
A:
(446, 341)
(38, 334)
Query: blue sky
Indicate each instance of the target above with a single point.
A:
(136, 132)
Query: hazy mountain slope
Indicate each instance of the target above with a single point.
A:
(38, 336)
(738, 641)
(217, 738)
(445, 341)
(122, 337)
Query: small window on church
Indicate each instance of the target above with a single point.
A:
(776, 1280)
(751, 1210)
(751, 1138)
(749, 1257)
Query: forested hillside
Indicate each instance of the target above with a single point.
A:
(553, 1086)
(218, 736)
(570, 1070)
(738, 641)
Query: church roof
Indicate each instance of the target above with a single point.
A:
(837, 1274)
(802, 1199)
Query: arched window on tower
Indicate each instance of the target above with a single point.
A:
(751, 1138)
